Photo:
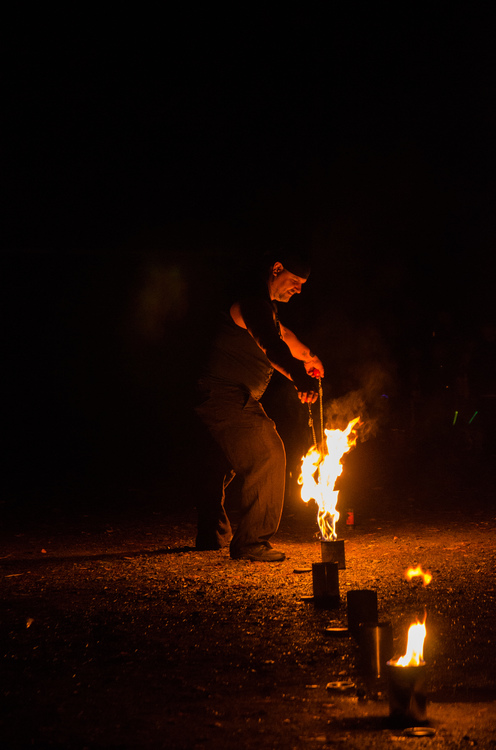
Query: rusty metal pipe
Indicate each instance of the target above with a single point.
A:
(407, 695)
(325, 581)
(333, 551)
(376, 648)
(362, 607)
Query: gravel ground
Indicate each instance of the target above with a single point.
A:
(116, 633)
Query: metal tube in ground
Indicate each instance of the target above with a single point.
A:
(407, 695)
(325, 581)
(362, 607)
(333, 551)
(376, 648)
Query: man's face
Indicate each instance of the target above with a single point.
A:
(283, 284)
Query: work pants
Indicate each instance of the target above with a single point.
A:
(253, 451)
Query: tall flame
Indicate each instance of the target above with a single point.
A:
(414, 655)
(319, 472)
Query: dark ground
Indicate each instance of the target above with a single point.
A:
(117, 634)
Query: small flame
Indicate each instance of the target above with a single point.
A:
(319, 472)
(425, 575)
(414, 656)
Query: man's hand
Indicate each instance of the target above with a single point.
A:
(308, 393)
(308, 397)
(314, 367)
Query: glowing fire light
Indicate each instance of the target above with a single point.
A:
(414, 655)
(425, 575)
(319, 472)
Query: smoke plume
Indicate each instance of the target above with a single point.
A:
(370, 402)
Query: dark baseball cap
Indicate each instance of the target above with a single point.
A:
(296, 262)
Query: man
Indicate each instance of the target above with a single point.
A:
(250, 344)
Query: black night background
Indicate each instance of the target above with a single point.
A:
(146, 159)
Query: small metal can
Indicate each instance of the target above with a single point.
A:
(350, 518)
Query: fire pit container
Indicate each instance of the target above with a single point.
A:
(333, 551)
(376, 648)
(407, 695)
(325, 580)
(362, 607)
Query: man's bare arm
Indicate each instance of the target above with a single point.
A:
(300, 351)
(305, 394)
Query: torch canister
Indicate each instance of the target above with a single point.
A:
(376, 648)
(362, 607)
(325, 581)
(407, 695)
(333, 551)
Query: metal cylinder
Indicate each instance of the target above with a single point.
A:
(362, 607)
(407, 695)
(325, 580)
(376, 648)
(333, 551)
